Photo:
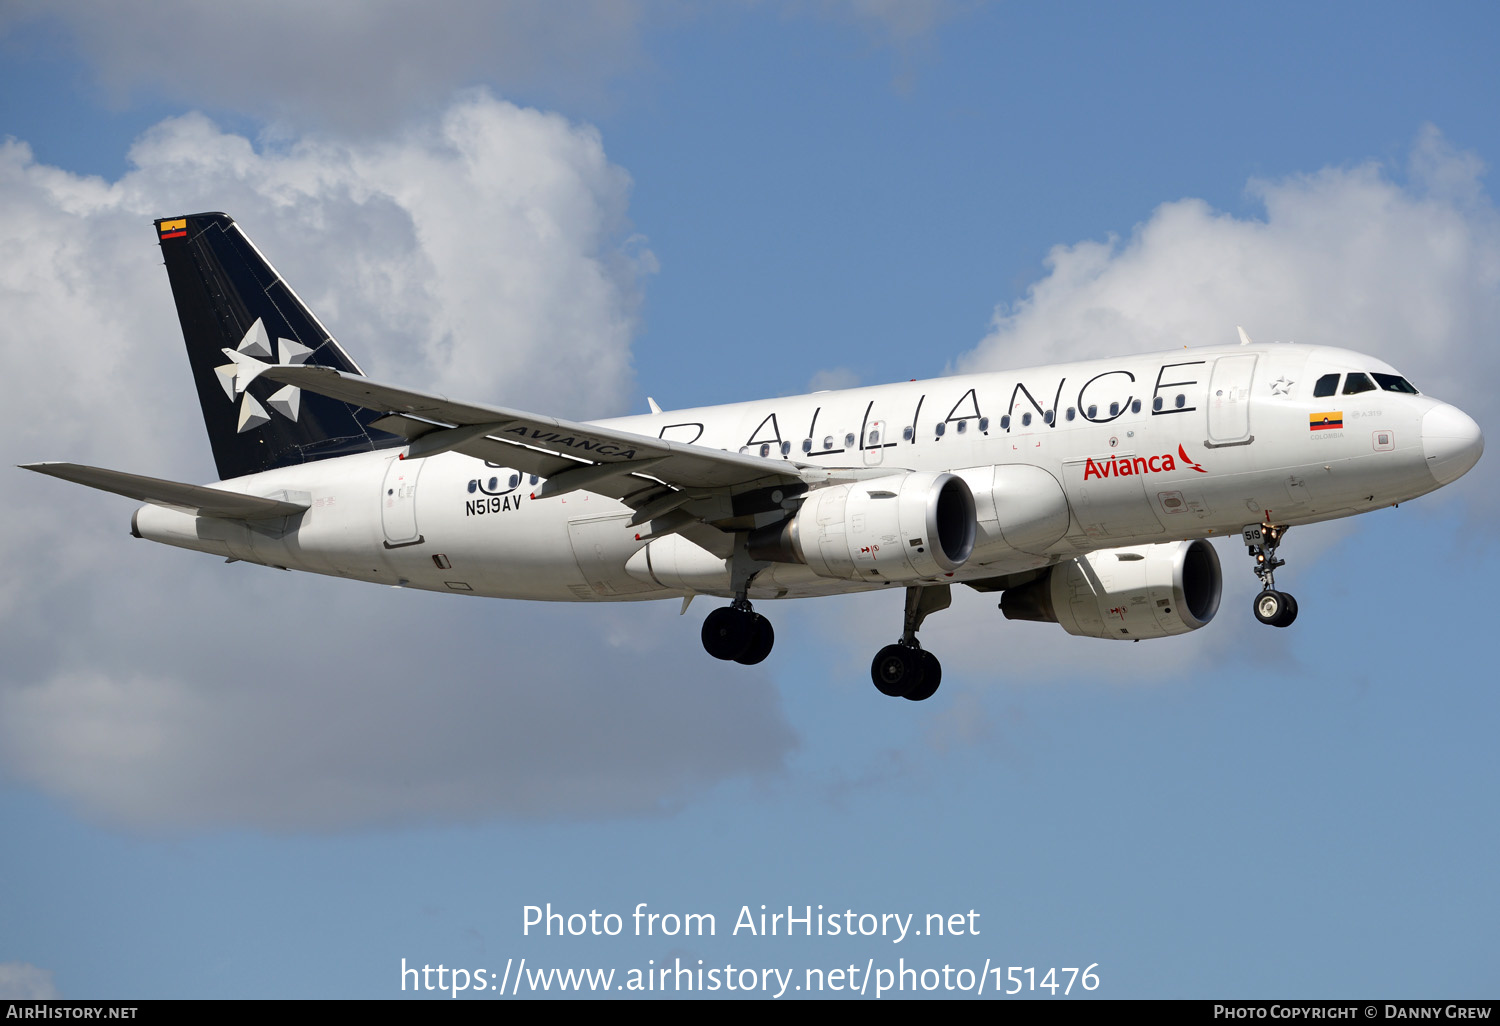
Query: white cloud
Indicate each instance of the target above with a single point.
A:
(1350, 256)
(21, 981)
(364, 66)
(350, 65)
(485, 253)
(833, 378)
(293, 703)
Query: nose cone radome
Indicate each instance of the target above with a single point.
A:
(1451, 441)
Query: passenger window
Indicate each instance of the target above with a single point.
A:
(1181, 401)
(1114, 409)
(1135, 406)
(1026, 420)
(984, 423)
(1327, 385)
(1357, 383)
(906, 434)
(1156, 404)
(1005, 423)
(1395, 383)
(1071, 411)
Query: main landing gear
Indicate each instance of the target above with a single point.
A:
(738, 633)
(1276, 608)
(905, 669)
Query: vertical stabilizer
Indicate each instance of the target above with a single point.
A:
(239, 317)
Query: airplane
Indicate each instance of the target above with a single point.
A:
(1085, 494)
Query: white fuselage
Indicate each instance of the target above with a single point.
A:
(1061, 460)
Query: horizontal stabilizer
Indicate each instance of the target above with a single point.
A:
(196, 499)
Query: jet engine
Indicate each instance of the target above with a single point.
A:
(1141, 591)
(904, 527)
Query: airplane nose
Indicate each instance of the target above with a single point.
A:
(1451, 441)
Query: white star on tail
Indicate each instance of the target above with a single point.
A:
(246, 364)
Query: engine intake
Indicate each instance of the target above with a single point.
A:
(1142, 591)
(903, 527)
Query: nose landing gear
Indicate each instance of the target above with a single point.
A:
(1273, 607)
(905, 669)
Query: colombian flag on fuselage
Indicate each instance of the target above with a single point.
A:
(174, 229)
(1325, 421)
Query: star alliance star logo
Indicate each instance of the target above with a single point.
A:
(246, 364)
(1282, 386)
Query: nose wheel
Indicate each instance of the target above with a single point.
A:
(1276, 608)
(1273, 607)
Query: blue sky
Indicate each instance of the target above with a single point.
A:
(224, 781)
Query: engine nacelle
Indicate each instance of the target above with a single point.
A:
(1142, 591)
(904, 527)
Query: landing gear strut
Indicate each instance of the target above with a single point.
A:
(905, 669)
(1276, 608)
(737, 632)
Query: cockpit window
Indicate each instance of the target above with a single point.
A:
(1328, 384)
(1357, 383)
(1394, 383)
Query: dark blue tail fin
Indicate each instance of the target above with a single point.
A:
(230, 297)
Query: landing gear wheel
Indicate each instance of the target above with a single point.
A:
(898, 669)
(932, 676)
(1289, 614)
(1276, 608)
(1273, 607)
(762, 637)
(728, 633)
(904, 670)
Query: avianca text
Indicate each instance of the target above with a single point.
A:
(1127, 466)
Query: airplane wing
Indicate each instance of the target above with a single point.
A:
(669, 483)
(195, 499)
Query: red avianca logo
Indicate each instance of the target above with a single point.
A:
(1127, 466)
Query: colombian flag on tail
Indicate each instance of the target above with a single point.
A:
(1315, 421)
(173, 229)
